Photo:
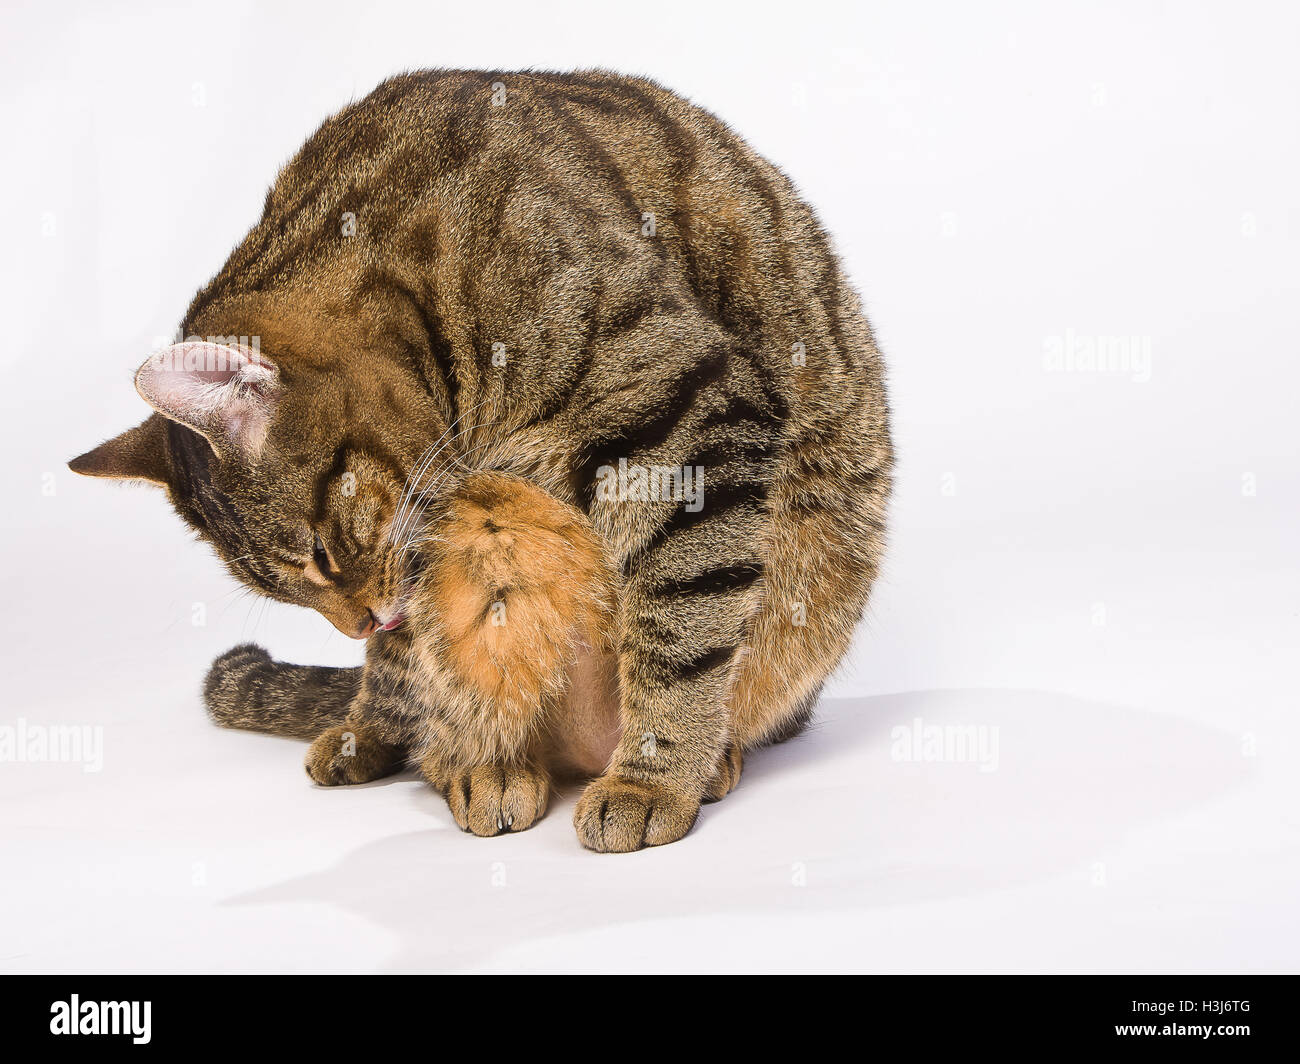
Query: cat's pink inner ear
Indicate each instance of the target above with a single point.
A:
(225, 393)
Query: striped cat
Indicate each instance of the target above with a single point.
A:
(553, 389)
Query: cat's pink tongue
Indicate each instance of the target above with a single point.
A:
(392, 624)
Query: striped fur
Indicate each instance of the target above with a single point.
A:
(551, 273)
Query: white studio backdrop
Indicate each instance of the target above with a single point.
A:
(1077, 235)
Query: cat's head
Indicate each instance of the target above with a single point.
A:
(294, 474)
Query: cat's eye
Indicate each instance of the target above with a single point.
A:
(320, 569)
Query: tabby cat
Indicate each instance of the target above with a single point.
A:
(551, 388)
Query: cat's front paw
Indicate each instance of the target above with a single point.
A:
(495, 799)
(616, 815)
(346, 755)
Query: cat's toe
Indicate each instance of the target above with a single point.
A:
(617, 815)
(494, 799)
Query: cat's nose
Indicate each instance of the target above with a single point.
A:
(368, 625)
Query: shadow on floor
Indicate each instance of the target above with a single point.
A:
(837, 819)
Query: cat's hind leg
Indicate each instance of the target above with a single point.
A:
(823, 552)
(246, 689)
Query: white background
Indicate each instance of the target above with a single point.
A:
(1078, 559)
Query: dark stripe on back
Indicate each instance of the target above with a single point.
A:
(666, 671)
(717, 501)
(716, 581)
(650, 434)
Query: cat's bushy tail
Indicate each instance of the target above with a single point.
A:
(246, 689)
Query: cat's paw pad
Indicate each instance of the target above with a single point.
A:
(727, 774)
(617, 815)
(342, 756)
(496, 799)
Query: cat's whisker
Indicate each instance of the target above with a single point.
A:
(429, 456)
(414, 488)
(413, 478)
(413, 512)
(457, 459)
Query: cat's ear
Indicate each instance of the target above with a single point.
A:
(225, 394)
(138, 454)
